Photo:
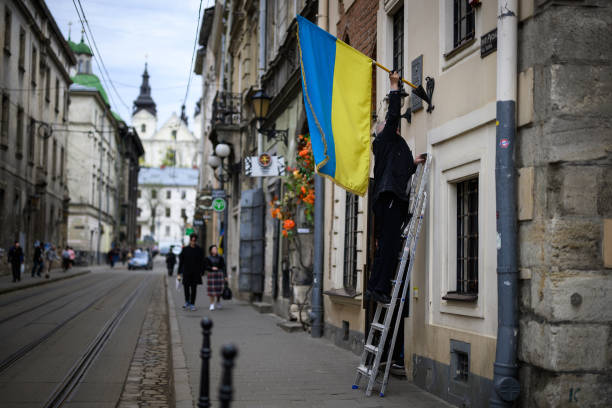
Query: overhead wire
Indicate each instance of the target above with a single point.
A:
(193, 52)
(98, 56)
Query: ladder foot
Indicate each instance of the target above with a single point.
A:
(382, 394)
(355, 386)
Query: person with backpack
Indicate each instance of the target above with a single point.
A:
(37, 260)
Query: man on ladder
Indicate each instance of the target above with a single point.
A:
(393, 167)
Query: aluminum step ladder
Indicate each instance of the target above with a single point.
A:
(373, 349)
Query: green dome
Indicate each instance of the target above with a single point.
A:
(92, 81)
(80, 48)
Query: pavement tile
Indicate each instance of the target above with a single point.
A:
(279, 369)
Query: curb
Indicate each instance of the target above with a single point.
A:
(43, 282)
(183, 397)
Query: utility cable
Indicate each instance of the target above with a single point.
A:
(195, 43)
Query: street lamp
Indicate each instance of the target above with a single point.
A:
(260, 103)
(215, 161)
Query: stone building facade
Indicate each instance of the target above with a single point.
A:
(564, 162)
(34, 73)
(93, 164)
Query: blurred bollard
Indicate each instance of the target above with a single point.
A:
(204, 400)
(229, 352)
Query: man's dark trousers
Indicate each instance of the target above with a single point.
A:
(390, 214)
(16, 267)
(190, 293)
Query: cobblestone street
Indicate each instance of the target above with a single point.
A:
(147, 383)
(275, 368)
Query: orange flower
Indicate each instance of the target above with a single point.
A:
(285, 233)
(303, 189)
(289, 224)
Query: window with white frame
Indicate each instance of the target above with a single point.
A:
(463, 22)
(350, 241)
(467, 236)
(398, 40)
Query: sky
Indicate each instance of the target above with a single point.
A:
(127, 33)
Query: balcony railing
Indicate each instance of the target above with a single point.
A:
(226, 109)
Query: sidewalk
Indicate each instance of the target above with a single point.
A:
(275, 368)
(57, 274)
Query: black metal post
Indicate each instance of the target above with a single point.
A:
(204, 400)
(229, 352)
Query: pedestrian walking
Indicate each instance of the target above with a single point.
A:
(393, 167)
(15, 259)
(216, 276)
(191, 267)
(37, 260)
(72, 255)
(170, 261)
(50, 257)
(65, 259)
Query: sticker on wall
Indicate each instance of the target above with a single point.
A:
(498, 241)
(504, 143)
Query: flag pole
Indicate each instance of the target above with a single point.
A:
(379, 65)
(418, 90)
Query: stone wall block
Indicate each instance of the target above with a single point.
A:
(581, 90)
(564, 347)
(576, 296)
(579, 186)
(533, 247)
(575, 139)
(575, 244)
(543, 389)
(585, 36)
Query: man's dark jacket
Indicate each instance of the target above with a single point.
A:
(15, 255)
(191, 265)
(170, 260)
(393, 161)
(37, 254)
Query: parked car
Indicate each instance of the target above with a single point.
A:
(140, 260)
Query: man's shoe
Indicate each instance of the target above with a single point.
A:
(186, 305)
(193, 308)
(398, 369)
(381, 297)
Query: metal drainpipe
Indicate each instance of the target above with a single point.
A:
(319, 223)
(506, 387)
(261, 66)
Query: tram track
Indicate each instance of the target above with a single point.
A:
(85, 288)
(24, 350)
(71, 381)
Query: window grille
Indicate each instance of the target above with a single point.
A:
(467, 236)
(398, 40)
(350, 241)
(463, 22)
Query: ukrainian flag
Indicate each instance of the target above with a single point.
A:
(337, 88)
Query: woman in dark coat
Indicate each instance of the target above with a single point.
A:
(215, 276)
(191, 267)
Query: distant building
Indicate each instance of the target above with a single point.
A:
(92, 163)
(173, 144)
(33, 123)
(166, 203)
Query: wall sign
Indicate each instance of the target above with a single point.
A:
(264, 166)
(488, 43)
(416, 71)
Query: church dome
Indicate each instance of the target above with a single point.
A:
(91, 81)
(80, 48)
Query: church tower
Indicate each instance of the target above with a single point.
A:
(144, 113)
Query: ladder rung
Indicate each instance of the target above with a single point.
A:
(377, 326)
(372, 349)
(385, 305)
(364, 370)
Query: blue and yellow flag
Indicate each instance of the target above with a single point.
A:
(337, 88)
